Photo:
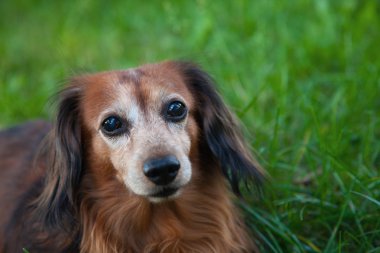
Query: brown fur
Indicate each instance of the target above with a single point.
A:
(72, 198)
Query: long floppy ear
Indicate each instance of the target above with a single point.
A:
(221, 130)
(64, 164)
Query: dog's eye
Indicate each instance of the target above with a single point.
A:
(176, 111)
(112, 126)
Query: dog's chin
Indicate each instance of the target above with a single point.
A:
(164, 194)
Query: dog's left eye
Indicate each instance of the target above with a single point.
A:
(175, 111)
(112, 126)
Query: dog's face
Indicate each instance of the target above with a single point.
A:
(158, 128)
(141, 120)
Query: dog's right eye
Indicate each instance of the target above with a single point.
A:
(176, 111)
(112, 126)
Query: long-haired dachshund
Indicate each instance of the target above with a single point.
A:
(137, 160)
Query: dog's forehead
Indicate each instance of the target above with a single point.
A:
(147, 86)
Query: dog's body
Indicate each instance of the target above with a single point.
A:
(136, 161)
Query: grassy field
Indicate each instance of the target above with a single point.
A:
(303, 76)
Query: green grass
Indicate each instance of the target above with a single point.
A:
(303, 76)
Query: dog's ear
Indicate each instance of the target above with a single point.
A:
(221, 130)
(64, 165)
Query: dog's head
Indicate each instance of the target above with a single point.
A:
(148, 126)
(141, 122)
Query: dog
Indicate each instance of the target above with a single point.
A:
(139, 160)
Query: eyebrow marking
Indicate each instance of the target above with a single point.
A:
(131, 76)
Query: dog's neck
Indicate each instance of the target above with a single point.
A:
(201, 222)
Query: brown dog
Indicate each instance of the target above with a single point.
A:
(136, 161)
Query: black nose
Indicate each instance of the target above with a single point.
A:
(162, 171)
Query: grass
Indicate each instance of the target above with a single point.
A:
(303, 76)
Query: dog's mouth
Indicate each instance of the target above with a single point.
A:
(165, 193)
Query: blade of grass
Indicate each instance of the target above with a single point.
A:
(368, 198)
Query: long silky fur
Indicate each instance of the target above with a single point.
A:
(56, 205)
(203, 220)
